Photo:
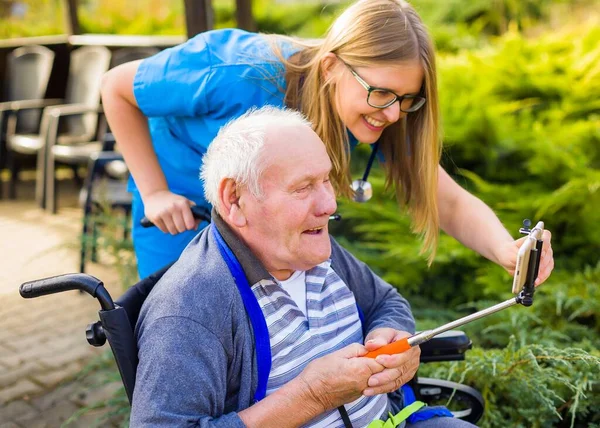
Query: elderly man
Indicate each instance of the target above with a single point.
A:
(260, 322)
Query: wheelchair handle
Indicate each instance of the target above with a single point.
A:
(68, 282)
(199, 212)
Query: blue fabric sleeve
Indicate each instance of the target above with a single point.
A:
(194, 362)
(381, 303)
(175, 82)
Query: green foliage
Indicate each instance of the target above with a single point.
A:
(522, 120)
(152, 17)
(530, 386)
(47, 15)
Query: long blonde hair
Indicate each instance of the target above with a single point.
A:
(372, 33)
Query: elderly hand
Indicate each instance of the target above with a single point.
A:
(507, 257)
(399, 368)
(170, 212)
(339, 377)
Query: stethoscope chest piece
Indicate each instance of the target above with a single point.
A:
(362, 190)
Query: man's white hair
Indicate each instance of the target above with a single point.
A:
(236, 150)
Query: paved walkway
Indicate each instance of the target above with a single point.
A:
(42, 341)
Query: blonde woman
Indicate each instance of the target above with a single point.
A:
(370, 79)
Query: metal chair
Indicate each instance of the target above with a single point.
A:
(80, 115)
(77, 115)
(28, 71)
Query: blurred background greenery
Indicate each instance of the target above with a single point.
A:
(520, 97)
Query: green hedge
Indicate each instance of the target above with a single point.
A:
(522, 121)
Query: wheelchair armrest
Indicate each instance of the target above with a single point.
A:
(448, 346)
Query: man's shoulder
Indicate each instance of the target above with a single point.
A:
(198, 287)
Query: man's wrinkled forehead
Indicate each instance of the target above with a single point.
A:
(294, 153)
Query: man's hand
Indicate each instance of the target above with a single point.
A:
(338, 378)
(507, 257)
(399, 368)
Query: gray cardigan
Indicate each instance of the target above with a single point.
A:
(197, 364)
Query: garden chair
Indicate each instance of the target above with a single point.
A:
(28, 72)
(77, 114)
(88, 65)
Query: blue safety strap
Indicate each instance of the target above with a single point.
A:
(257, 319)
(424, 413)
(361, 316)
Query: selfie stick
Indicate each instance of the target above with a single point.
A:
(530, 253)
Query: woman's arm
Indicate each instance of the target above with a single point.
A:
(170, 212)
(475, 225)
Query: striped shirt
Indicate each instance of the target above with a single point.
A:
(331, 323)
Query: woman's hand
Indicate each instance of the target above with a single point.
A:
(507, 257)
(339, 377)
(170, 212)
(399, 368)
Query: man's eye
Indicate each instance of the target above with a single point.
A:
(303, 188)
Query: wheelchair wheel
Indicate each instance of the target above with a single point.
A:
(466, 403)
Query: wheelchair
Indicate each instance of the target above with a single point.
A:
(117, 320)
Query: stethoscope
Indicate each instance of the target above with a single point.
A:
(363, 191)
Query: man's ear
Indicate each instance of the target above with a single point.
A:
(229, 200)
(328, 63)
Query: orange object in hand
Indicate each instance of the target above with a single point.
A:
(397, 347)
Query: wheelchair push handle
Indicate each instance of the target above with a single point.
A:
(72, 281)
(198, 211)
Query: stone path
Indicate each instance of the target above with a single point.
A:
(42, 341)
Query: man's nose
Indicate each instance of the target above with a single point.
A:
(326, 203)
(392, 113)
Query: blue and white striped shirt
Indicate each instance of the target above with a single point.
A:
(331, 323)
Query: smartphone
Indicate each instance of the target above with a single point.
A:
(522, 264)
(523, 257)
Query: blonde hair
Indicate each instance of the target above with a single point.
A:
(372, 33)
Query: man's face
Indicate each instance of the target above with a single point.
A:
(287, 227)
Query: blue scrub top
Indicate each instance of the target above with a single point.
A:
(189, 91)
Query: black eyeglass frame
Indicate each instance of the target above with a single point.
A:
(415, 107)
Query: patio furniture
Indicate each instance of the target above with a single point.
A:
(28, 71)
(80, 115)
